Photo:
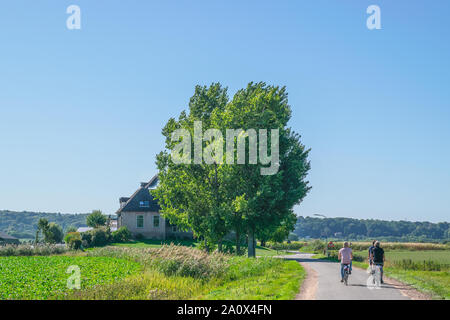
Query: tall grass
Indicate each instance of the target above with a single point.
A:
(151, 285)
(425, 265)
(172, 260)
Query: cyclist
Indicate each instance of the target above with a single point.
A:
(346, 256)
(378, 257)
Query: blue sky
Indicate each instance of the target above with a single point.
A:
(81, 111)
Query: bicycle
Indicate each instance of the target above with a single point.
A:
(374, 280)
(346, 273)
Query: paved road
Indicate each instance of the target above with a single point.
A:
(324, 282)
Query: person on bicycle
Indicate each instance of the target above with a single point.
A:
(346, 256)
(378, 257)
(371, 251)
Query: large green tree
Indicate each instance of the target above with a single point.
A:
(269, 198)
(191, 195)
(216, 192)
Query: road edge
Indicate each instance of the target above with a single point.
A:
(308, 289)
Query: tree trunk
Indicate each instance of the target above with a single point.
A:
(206, 245)
(219, 245)
(263, 243)
(251, 244)
(238, 243)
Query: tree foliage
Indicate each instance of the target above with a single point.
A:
(96, 219)
(214, 199)
(52, 232)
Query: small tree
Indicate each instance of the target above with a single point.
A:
(73, 240)
(53, 234)
(96, 219)
(42, 227)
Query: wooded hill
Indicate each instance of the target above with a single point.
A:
(358, 229)
(23, 225)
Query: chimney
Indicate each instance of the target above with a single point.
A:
(123, 200)
(143, 184)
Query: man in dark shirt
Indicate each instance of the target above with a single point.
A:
(378, 257)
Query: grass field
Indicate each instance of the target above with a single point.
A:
(45, 277)
(149, 272)
(280, 282)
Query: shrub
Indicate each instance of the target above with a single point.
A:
(31, 250)
(294, 245)
(121, 235)
(73, 240)
(75, 244)
(86, 239)
(95, 238)
(99, 237)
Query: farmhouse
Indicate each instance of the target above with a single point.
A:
(7, 239)
(141, 214)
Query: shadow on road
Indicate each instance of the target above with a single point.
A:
(383, 286)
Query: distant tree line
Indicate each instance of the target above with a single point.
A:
(23, 225)
(358, 229)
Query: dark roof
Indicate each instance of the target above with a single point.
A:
(142, 194)
(7, 236)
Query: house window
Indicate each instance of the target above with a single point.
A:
(140, 221)
(144, 204)
(156, 221)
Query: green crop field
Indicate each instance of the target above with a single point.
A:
(438, 256)
(46, 277)
(413, 267)
(418, 256)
